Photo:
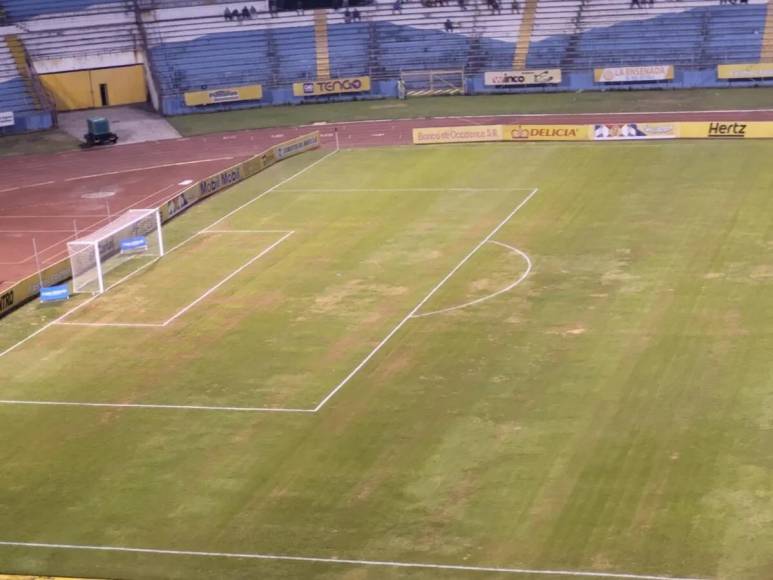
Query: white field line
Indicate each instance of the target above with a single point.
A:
(507, 288)
(399, 189)
(184, 309)
(155, 406)
(226, 279)
(423, 301)
(148, 168)
(185, 241)
(347, 561)
(327, 397)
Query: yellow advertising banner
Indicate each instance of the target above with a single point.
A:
(225, 95)
(520, 78)
(546, 133)
(634, 131)
(755, 70)
(726, 130)
(634, 74)
(331, 87)
(468, 134)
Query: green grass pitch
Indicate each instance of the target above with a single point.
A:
(612, 412)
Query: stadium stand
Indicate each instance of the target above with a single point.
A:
(190, 45)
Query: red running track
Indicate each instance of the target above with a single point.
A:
(56, 198)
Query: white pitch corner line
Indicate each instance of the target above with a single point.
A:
(348, 561)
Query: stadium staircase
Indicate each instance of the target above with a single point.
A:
(766, 52)
(321, 44)
(19, 59)
(524, 34)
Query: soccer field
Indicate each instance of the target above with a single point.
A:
(442, 362)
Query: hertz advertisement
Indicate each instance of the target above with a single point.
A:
(331, 87)
(226, 95)
(634, 74)
(757, 70)
(522, 78)
(726, 130)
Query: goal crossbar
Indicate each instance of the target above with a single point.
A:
(136, 232)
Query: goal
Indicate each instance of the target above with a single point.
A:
(136, 233)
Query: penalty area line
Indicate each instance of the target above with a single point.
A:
(348, 561)
(424, 300)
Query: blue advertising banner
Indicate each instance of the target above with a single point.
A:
(54, 293)
(136, 244)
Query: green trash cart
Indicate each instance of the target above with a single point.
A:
(99, 132)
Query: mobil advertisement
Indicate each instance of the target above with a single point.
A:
(634, 74)
(545, 132)
(522, 78)
(331, 86)
(634, 131)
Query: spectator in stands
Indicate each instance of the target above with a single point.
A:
(495, 7)
(336, 5)
(515, 7)
(635, 4)
(397, 7)
(462, 5)
(246, 13)
(356, 16)
(347, 16)
(227, 14)
(448, 25)
(272, 8)
(253, 12)
(299, 7)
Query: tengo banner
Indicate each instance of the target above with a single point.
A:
(634, 74)
(7, 119)
(633, 131)
(468, 134)
(522, 78)
(755, 70)
(331, 86)
(225, 95)
(545, 132)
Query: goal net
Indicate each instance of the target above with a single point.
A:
(136, 233)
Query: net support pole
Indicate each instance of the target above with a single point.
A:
(98, 260)
(37, 262)
(158, 234)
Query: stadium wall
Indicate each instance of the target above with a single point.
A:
(28, 288)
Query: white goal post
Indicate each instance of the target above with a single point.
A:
(136, 233)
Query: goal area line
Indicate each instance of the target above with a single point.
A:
(186, 308)
(332, 392)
